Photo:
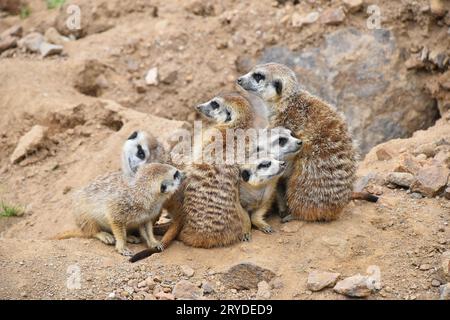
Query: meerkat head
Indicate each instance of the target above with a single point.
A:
(226, 108)
(270, 81)
(140, 147)
(158, 178)
(260, 171)
(279, 142)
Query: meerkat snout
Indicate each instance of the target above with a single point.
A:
(280, 143)
(215, 110)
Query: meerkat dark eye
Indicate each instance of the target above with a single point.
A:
(258, 149)
(245, 175)
(264, 164)
(228, 119)
(133, 136)
(176, 176)
(214, 105)
(282, 141)
(278, 86)
(140, 153)
(163, 188)
(258, 77)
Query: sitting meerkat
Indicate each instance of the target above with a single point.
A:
(321, 181)
(211, 214)
(257, 189)
(283, 146)
(140, 147)
(111, 203)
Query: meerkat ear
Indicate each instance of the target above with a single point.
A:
(245, 174)
(278, 86)
(133, 136)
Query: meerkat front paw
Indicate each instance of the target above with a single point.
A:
(106, 237)
(266, 229)
(247, 237)
(124, 251)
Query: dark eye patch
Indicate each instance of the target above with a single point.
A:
(264, 164)
(228, 119)
(282, 141)
(245, 175)
(163, 188)
(176, 175)
(258, 77)
(133, 136)
(140, 153)
(214, 105)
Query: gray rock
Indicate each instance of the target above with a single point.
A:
(402, 179)
(186, 290)
(187, 271)
(431, 181)
(48, 49)
(371, 90)
(32, 41)
(444, 291)
(353, 6)
(263, 290)
(317, 280)
(354, 286)
(332, 16)
(246, 276)
(207, 287)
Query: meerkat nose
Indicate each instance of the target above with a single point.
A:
(239, 81)
(299, 142)
(283, 163)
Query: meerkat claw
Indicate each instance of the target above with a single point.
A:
(267, 230)
(159, 247)
(246, 237)
(125, 252)
(288, 218)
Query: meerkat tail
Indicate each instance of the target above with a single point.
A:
(161, 228)
(143, 254)
(69, 234)
(364, 196)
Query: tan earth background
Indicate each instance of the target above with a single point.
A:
(69, 98)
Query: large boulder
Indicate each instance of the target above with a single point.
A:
(360, 73)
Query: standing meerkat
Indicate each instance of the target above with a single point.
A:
(112, 203)
(140, 147)
(321, 182)
(211, 214)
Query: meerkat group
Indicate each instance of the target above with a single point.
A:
(303, 164)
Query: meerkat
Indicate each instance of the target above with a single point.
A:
(211, 214)
(140, 147)
(257, 189)
(321, 181)
(281, 144)
(111, 203)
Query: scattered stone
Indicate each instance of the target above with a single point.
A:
(332, 16)
(416, 195)
(317, 280)
(186, 290)
(429, 149)
(384, 154)
(140, 86)
(408, 164)
(437, 8)
(439, 59)
(48, 49)
(7, 43)
(374, 277)
(431, 180)
(445, 291)
(263, 290)
(187, 271)
(425, 267)
(353, 6)
(299, 21)
(170, 77)
(32, 41)
(89, 78)
(435, 283)
(355, 286)
(151, 78)
(207, 287)
(164, 296)
(53, 36)
(277, 283)
(150, 283)
(142, 284)
(402, 179)
(414, 62)
(29, 143)
(246, 276)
